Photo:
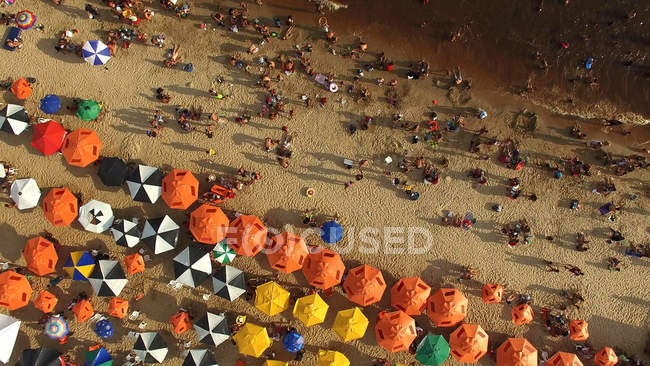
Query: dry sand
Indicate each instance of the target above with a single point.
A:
(616, 307)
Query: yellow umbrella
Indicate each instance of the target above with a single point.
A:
(271, 298)
(332, 358)
(252, 340)
(275, 363)
(350, 324)
(310, 310)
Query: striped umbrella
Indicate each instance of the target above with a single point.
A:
(25, 19)
(95, 53)
(56, 327)
(223, 253)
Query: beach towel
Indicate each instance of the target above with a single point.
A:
(13, 32)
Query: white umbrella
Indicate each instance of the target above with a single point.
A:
(13, 119)
(96, 216)
(25, 193)
(150, 347)
(8, 332)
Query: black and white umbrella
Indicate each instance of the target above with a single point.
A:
(125, 233)
(145, 184)
(229, 282)
(160, 234)
(212, 329)
(199, 357)
(107, 278)
(150, 347)
(96, 216)
(13, 119)
(192, 266)
(40, 356)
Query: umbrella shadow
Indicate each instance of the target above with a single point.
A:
(150, 305)
(48, 47)
(12, 243)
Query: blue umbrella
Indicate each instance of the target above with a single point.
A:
(56, 327)
(293, 342)
(50, 104)
(331, 232)
(104, 329)
(98, 357)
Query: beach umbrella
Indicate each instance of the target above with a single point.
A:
(223, 253)
(287, 252)
(293, 342)
(134, 263)
(25, 19)
(107, 279)
(48, 137)
(310, 309)
(578, 330)
(212, 329)
(606, 357)
(79, 265)
(447, 307)
(199, 357)
(21, 88)
(364, 285)
(46, 301)
(247, 235)
(95, 53)
(275, 363)
(145, 184)
(410, 295)
(50, 104)
(516, 352)
(13, 119)
(42, 356)
(564, 359)
(229, 282)
(208, 224)
(83, 310)
(192, 266)
(181, 322)
(252, 340)
(118, 307)
(40, 256)
(433, 350)
(9, 328)
(331, 232)
(491, 293)
(323, 268)
(60, 207)
(180, 189)
(126, 233)
(150, 347)
(56, 327)
(522, 314)
(468, 343)
(81, 147)
(350, 324)
(160, 234)
(88, 109)
(271, 298)
(98, 357)
(25, 193)
(395, 331)
(332, 358)
(96, 216)
(112, 172)
(15, 290)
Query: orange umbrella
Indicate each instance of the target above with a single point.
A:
(492, 293)
(15, 290)
(81, 147)
(46, 301)
(181, 322)
(410, 295)
(606, 357)
(287, 252)
(323, 268)
(247, 235)
(118, 307)
(364, 285)
(21, 88)
(564, 359)
(447, 307)
(180, 189)
(60, 207)
(134, 263)
(516, 352)
(468, 343)
(578, 330)
(208, 224)
(395, 331)
(522, 314)
(83, 310)
(40, 256)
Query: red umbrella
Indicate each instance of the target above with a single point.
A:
(48, 137)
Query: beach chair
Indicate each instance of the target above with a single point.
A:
(13, 32)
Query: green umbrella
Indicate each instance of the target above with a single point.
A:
(98, 357)
(433, 350)
(88, 110)
(223, 253)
